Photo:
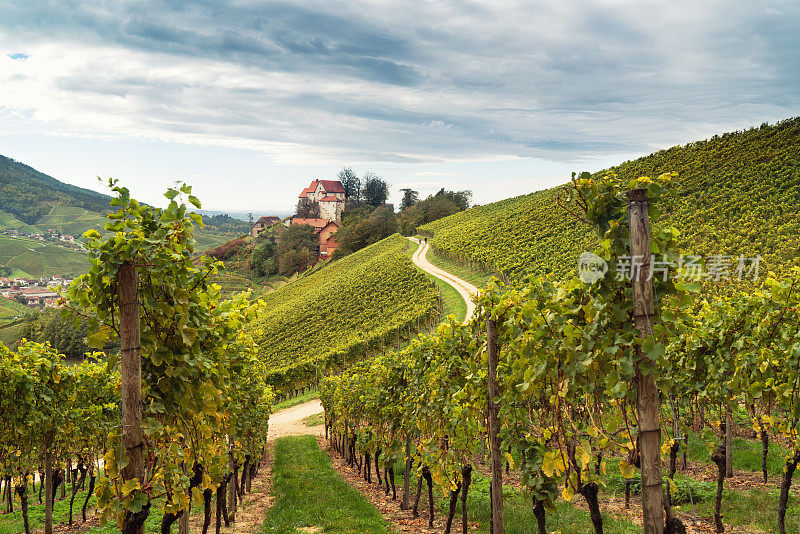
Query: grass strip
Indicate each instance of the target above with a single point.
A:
(300, 399)
(309, 493)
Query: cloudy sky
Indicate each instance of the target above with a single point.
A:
(249, 100)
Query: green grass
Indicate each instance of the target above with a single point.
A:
(13, 524)
(474, 276)
(309, 493)
(314, 420)
(746, 453)
(11, 311)
(343, 311)
(747, 510)
(10, 335)
(71, 220)
(300, 399)
(452, 302)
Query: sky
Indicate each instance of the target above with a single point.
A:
(248, 101)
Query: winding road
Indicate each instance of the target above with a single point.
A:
(289, 422)
(464, 288)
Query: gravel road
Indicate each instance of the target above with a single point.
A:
(464, 288)
(289, 422)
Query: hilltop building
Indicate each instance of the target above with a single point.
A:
(329, 195)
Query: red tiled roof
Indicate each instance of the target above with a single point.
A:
(310, 189)
(318, 224)
(332, 186)
(269, 219)
(330, 198)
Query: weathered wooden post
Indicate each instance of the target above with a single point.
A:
(493, 355)
(48, 483)
(728, 443)
(131, 370)
(647, 391)
(406, 475)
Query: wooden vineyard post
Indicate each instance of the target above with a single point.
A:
(48, 483)
(131, 370)
(232, 483)
(728, 443)
(493, 353)
(647, 391)
(406, 475)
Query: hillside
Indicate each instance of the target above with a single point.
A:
(30, 257)
(29, 194)
(339, 311)
(736, 193)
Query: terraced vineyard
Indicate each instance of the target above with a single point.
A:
(36, 258)
(71, 220)
(340, 311)
(11, 310)
(737, 193)
(9, 222)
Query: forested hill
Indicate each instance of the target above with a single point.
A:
(736, 193)
(30, 195)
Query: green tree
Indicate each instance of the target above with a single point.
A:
(351, 183)
(410, 197)
(307, 209)
(379, 225)
(434, 207)
(65, 334)
(188, 337)
(375, 190)
(297, 249)
(263, 260)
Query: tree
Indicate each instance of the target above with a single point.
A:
(297, 248)
(263, 259)
(381, 224)
(307, 209)
(65, 335)
(434, 207)
(351, 183)
(375, 190)
(410, 197)
(459, 198)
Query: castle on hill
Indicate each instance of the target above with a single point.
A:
(325, 200)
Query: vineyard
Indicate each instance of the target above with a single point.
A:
(358, 304)
(736, 193)
(575, 385)
(187, 385)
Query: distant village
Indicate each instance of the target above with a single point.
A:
(34, 292)
(52, 236)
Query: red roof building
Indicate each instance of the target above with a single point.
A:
(325, 231)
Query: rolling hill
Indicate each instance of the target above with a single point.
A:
(342, 310)
(32, 202)
(29, 194)
(736, 193)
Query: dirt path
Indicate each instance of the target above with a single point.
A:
(253, 508)
(464, 288)
(289, 422)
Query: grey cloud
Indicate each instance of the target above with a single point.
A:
(551, 80)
